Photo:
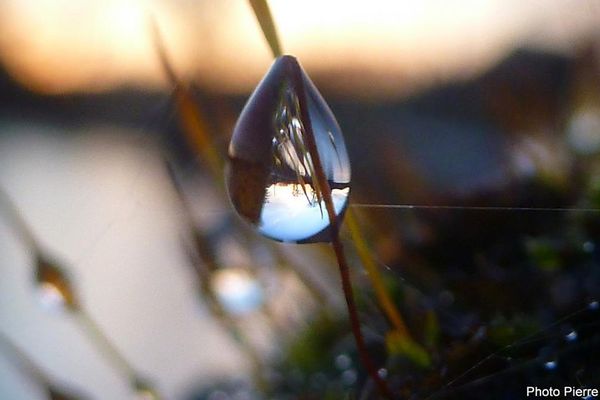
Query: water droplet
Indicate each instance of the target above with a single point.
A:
(571, 336)
(594, 305)
(550, 365)
(349, 377)
(382, 372)
(54, 286)
(271, 176)
(238, 291)
(343, 362)
(588, 247)
(50, 297)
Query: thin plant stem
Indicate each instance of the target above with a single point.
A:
(17, 220)
(193, 122)
(207, 265)
(93, 330)
(265, 20)
(108, 348)
(335, 240)
(366, 257)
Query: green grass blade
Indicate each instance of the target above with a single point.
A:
(265, 19)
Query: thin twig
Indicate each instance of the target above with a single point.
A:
(17, 220)
(108, 348)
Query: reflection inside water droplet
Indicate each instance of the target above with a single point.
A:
(288, 215)
(272, 178)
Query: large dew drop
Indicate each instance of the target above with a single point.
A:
(271, 177)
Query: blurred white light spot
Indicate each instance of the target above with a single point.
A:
(550, 365)
(589, 247)
(571, 336)
(50, 297)
(238, 291)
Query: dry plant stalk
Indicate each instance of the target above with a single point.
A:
(53, 275)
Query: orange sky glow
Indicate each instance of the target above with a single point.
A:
(375, 47)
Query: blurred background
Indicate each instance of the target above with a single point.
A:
(491, 103)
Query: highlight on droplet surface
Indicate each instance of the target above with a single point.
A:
(271, 177)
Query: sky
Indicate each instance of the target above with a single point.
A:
(377, 47)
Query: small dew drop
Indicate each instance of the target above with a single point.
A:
(238, 291)
(382, 372)
(50, 297)
(571, 336)
(343, 362)
(550, 365)
(588, 246)
(349, 377)
(594, 305)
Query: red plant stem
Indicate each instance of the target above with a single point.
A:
(354, 321)
(336, 243)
